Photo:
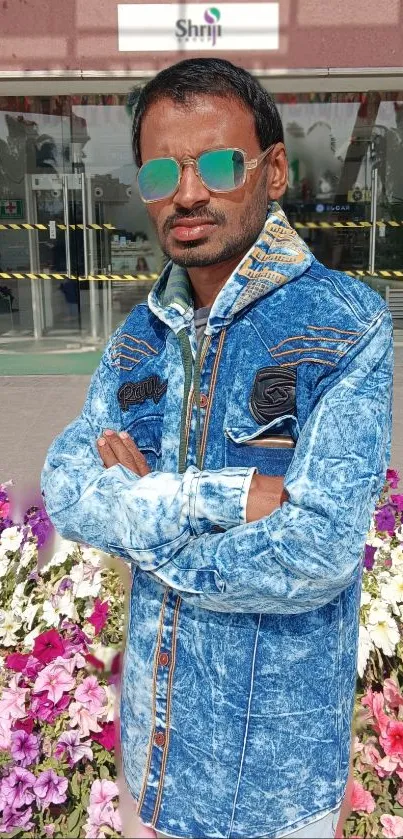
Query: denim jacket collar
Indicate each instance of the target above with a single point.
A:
(278, 256)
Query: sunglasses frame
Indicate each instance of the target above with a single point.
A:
(194, 161)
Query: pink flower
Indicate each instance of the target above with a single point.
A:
(16, 788)
(42, 708)
(48, 646)
(370, 754)
(55, 679)
(49, 829)
(69, 742)
(91, 695)
(99, 615)
(393, 478)
(103, 791)
(12, 702)
(24, 747)
(50, 788)
(16, 661)
(398, 501)
(392, 826)
(107, 737)
(376, 704)
(82, 718)
(5, 734)
(361, 800)
(391, 692)
(392, 740)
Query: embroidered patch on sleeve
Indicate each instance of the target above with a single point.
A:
(273, 394)
(135, 393)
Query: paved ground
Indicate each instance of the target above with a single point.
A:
(36, 408)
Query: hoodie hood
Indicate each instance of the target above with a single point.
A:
(278, 256)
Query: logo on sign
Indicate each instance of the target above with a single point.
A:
(186, 30)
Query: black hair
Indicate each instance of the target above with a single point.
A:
(217, 77)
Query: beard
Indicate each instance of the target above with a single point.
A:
(200, 254)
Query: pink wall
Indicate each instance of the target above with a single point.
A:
(82, 35)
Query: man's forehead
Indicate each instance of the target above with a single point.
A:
(181, 129)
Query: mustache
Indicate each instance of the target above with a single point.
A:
(216, 218)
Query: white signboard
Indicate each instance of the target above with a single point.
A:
(166, 27)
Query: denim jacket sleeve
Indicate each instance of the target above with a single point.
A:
(309, 550)
(113, 508)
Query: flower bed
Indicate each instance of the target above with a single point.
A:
(61, 639)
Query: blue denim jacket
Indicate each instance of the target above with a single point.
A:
(240, 665)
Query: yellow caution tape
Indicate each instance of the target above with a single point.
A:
(310, 225)
(18, 275)
(27, 226)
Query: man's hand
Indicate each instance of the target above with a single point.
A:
(116, 448)
(265, 495)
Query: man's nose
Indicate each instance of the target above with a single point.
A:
(191, 191)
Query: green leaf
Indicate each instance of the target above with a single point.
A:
(104, 773)
(73, 820)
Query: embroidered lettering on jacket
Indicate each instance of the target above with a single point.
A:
(273, 394)
(135, 393)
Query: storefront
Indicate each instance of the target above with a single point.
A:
(76, 248)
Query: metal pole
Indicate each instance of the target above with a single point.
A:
(92, 289)
(33, 259)
(67, 223)
(374, 201)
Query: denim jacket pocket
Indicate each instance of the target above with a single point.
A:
(270, 448)
(146, 433)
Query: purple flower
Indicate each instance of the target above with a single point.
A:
(40, 524)
(24, 747)
(369, 557)
(42, 708)
(393, 478)
(64, 585)
(4, 523)
(12, 819)
(16, 788)
(385, 519)
(397, 501)
(50, 788)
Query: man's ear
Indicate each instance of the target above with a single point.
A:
(277, 173)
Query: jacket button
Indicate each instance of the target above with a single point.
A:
(159, 738)
(164, 659)
(203, 400)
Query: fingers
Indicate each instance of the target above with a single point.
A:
(120, 448)
(141, 462)
(106, 454)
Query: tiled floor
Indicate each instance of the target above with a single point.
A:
(33, 409)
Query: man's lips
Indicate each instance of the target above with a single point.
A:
(188, 230)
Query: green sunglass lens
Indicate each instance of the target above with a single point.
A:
(158, 178)
(222, 169)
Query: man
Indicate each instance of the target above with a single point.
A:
(232, 447)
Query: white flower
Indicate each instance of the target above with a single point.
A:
(50, 615)
(87, 581)
(66, 606)
(392, 592)
(397, 555)
(29, 639)
(28, 553)
(374, 540)
(10, 623)
(93, 556)
(382, 629)
(4, 565)
(11, 538)
(89, 629)
(29, 614)
(17, 600)
(108, 710)
(399, 532)
(64, 550)
(365, 598)
(104, 654)
(365, 646)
